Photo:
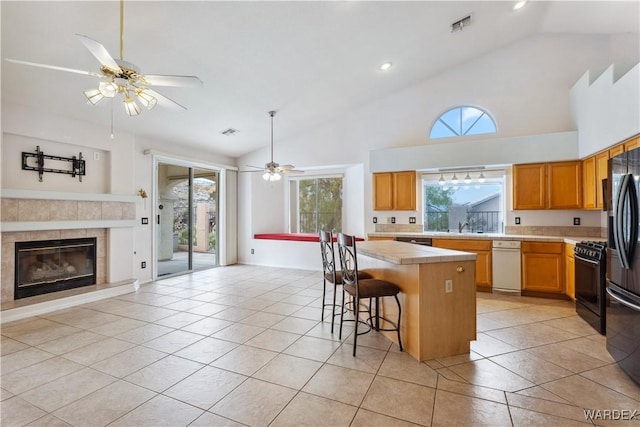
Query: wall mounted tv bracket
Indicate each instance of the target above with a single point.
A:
(77, 164)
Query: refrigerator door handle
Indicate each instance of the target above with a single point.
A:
(626, 240)
(618, 228)
(619, 298)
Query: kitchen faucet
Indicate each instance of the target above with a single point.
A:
(461, 226)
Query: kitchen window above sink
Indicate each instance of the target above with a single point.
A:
(465, 201)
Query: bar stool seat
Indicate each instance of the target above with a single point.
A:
(359, 288)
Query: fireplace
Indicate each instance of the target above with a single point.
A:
(46, 266)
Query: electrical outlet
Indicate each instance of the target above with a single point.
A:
(375, 219)
(143, 264)
(96, 155)
(517, 220)
(393, 220)
(448, 286)
(253, 251)
(576, 221)
(145, 221)
(412, 220)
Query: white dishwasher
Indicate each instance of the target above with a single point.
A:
(506, 266)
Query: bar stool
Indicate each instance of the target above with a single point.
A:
(364, 288)
(330, 274)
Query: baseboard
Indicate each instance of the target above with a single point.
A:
(23, 312)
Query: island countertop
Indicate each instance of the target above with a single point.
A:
(407, 253)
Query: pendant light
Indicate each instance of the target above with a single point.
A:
(467, 179)
(481, 178)
(454, 180)
(441, 181)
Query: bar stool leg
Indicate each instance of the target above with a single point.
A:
(398, 325)
(333, 307)
(356, 309)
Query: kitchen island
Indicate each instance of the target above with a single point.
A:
(435, 323)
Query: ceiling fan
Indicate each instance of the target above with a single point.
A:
(121, 77)
(272, 170)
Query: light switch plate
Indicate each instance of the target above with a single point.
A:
(412, 220)
(517, 220)
(576, 221)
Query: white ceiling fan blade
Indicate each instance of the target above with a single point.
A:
(164, 101)
(291, 171)
(283, 167)
(99, 51)
(167, 80)
(257, 167)
(53, 67)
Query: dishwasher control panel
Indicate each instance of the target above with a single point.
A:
(506, 244)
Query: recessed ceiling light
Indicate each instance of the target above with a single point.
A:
(519, 5)
(385, 66)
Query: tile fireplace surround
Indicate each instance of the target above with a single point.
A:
(26, 217)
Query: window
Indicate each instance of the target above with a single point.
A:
(461, 121)
(475, 203)
(317, 204)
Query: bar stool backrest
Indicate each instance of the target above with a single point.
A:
(348, 260)
(328, 255)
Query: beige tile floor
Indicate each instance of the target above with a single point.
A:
(243, 345)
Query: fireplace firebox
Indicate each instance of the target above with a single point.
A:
(46, 266)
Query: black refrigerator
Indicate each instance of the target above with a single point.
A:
(623, 262)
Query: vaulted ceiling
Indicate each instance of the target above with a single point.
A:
(309, 60)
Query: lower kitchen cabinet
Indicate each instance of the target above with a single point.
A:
(570, 270)
(543, 268)
(482, 248)
(381, 238)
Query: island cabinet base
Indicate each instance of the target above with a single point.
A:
(434, 323)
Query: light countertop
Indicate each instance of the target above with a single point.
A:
(408, 253)
(488, 236)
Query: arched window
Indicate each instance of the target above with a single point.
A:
(461, 121)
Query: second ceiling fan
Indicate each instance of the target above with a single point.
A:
(272, 170)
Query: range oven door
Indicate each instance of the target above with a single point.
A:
(623, 330)
(590, 293)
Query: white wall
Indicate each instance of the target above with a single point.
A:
(123, 168)
(606, 110)
(525, 87)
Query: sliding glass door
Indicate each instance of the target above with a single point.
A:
(186, 221)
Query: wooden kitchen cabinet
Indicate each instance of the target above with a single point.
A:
(529, 186)
(602, 170)
(394, 191)
(570, 270)
(632, 143)
(564, 185)
(482, 248)
(543, 268)
(555, 185)
(589, 183)
(615, 150)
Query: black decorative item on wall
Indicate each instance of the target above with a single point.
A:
(77, 164)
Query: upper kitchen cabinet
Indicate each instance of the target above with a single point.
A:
(589, 183)
(602, 165)
(565, 185)
(632, 143)
(547, 186)
(529, 186)
(394, 191)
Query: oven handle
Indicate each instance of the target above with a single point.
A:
(621, 300)
(590, 261)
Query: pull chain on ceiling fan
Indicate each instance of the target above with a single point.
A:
(121, 77)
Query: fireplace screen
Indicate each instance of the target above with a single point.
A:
(54, 265)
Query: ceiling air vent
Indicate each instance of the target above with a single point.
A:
(230, 132)
(461, 23)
